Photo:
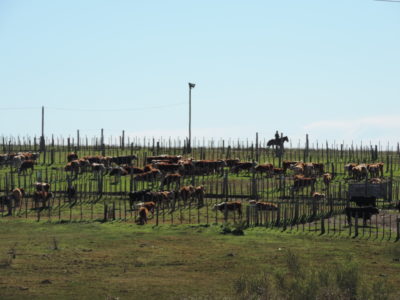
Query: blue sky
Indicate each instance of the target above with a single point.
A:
(327, 68)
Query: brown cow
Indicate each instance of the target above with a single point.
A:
(186, 193)
(302, 182)
(360, 172)
(264, 168)
(170, 178)
(229, 206)
(148, 176)
(374, 169)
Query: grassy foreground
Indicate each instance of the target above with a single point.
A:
(125, 261)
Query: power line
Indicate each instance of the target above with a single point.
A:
(388, 1)
(95, 109)
(113, 109)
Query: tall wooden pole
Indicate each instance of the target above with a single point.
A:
(189, 145)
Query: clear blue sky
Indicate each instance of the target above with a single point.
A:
(327, 68)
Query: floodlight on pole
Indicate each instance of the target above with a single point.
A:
(189, 144)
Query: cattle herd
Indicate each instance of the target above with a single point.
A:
(169, 170)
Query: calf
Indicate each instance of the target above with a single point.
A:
(361, 212)
(229, 206)
(327, 178)
(143, 212)
(17, 195)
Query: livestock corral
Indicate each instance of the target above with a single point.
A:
(334, 189)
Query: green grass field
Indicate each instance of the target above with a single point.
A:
(116, 260)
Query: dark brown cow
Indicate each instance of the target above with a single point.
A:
(349, 168)
(363, 201)
(318, 168)
(361, 212)
(302, 182)
(42, 186)
(118, 171)
(119, 160)
(232, 162)
(242, 166)
(72, 156)
(25, 165)
(286, 164)
(167, 167)
(229, 206)
(209, 166)
(278, 171)
(42, 197)
(72, 166)
(262, 205)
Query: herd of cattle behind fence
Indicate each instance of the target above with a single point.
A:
(343, 193)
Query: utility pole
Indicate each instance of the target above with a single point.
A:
(42, 144)
(189, 144)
